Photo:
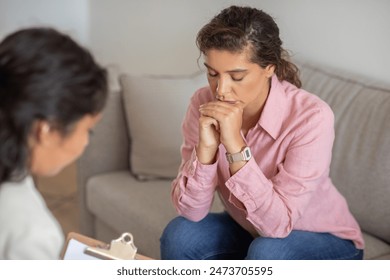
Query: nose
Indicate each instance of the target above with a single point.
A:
(218, 94)
(222, 89)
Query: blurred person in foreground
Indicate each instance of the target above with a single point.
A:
(52, 93)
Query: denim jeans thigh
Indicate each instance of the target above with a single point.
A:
(217, 236)
(304, 245)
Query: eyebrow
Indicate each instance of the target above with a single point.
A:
(229, 71)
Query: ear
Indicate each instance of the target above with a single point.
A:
(42, 133)
(270, 70)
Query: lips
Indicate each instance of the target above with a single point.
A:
(226, 101)
(229, 102)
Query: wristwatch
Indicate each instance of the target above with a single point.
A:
(244, 155)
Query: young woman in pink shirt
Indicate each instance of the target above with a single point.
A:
(264, 145)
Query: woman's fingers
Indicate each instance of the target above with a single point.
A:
(228, 120)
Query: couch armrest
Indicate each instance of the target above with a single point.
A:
(107, 151)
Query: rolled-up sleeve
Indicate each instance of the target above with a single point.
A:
(194, 187)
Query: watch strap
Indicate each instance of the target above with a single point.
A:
(244, 155)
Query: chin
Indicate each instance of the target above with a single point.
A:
(54, 173)
(47, 172)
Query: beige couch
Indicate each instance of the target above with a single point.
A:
(124, 177)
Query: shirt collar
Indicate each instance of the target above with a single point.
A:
(271, 118)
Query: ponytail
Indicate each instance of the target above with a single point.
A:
(288, 71)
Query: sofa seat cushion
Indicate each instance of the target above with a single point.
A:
(155, 107)
(375, 248)
(119, 200)
(128, 205)
(384, 257)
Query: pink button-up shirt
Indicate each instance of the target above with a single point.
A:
(285, 186)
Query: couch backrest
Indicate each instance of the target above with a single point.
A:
(154, 108)
(360, 166)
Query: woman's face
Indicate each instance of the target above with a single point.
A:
(232, 77)
(51, 151)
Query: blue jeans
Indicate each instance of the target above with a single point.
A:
(219, 237)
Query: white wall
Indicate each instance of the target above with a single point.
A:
(153, 36)
(350, 34)
(148, 36)
(69, 16)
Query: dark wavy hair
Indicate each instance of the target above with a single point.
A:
(44, 75)
(236, 28)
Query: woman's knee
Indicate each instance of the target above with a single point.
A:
(181, 228)
(264, 249)
(177, 239)
(175, 231)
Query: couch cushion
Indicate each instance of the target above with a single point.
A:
(361, 154)
(121, 202)
(156, 134)
(143, 208)
(375, 248)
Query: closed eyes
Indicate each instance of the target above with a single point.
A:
(236, 79)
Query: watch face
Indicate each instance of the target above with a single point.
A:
(247, 153)
(244, 155)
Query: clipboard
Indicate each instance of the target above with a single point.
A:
(81, 247)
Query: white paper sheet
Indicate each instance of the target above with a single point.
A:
(75, 251)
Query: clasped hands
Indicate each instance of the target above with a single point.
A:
(219, 123)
